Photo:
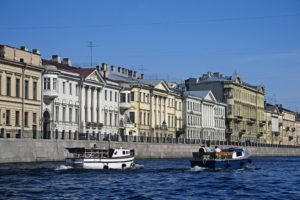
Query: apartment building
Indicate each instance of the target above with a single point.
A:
(78, 102)
(203, 116)
(245, 115)
(20, 92)
(148, 107)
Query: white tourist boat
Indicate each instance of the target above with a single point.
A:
(99, 158)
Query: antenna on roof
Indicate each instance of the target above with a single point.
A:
(141, 69)
(91, 46)
(235, 72)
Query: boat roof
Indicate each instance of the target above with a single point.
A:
(233, 149)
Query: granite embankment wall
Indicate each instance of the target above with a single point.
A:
(29, 150)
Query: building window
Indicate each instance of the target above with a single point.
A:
(33, 118)
(34, 90)
(26, 119)
(17, 118)
(64, 88)
(64, 114)
(8, 117)
(116, 97)
(8, 85)
(56, 113)
(26, 89)
(70, 115)
(76, 115)
(123, 98)
(132, 117)
(105, 118)
(110, 95)
(46, 83)
(105, 95)
(144, 118)
(54, 83)
(70, 88)
(116, 120)
(17, 87)
(132, 96)
(110, 119)
(77, 90)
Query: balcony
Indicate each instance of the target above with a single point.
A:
(125, 105)
(49, 96)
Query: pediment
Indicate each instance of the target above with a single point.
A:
(95, 77)
(162, 86)
(210, 97)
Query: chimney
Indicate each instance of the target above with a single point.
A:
(123, 70)
(119, 69)
(134, 74)
(36, 51)
(67, 61)
(216, 74)
(24, 48)
(56, 58)
(142, 76)
(97, 67)
(104, 67)
(112, 68)
(130, 73)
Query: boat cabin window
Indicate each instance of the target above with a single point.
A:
(123, 152)
(238, 154)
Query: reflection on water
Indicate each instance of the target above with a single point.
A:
(265, 178)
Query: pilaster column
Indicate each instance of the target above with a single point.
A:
(88, 104)
(156, 109)
(94, 105)
(83, 103)
(165, 117)
(152, 112)
(161, 110)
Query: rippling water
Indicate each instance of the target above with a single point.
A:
(267, 178)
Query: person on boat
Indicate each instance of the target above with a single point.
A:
(217, 149)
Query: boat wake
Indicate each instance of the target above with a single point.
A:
(137, 166)
(63, 167)
(198, 169)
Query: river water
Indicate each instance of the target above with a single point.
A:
(266, 178)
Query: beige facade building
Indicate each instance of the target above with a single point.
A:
(148, 107)
(288, 135)
(245, 104)
(274, 124)
(20, 92)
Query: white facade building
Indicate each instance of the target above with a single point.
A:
(78, 102)
(203, 116)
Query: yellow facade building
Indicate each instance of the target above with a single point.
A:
(246, 118)
(20, 92)
(147, 107)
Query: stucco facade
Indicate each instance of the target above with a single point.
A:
(203, 116)
(245, 115)
(79, 102)
(148, 107)
(20, 92)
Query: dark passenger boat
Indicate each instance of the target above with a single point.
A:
(226, 158)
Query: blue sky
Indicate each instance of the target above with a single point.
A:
(170, 39)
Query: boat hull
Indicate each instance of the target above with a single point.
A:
(86, 163)
(218, 164)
